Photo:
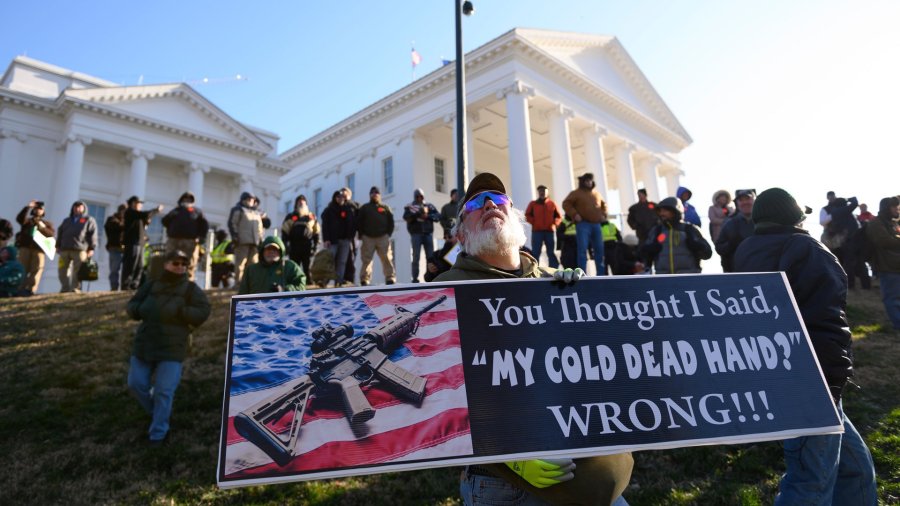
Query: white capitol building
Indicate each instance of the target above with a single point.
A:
(543, 107)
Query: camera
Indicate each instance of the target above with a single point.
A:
(39, 203)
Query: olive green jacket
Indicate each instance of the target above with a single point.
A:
(598, 480)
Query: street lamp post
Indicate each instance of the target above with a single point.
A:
(461, 149)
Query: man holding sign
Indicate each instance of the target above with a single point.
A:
(490, 232)
(821, 469)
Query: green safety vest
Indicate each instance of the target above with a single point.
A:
(609, 231)
(218, 253)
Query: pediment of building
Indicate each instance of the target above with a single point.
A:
(173, 107)
(603, 61)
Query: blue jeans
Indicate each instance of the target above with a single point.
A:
(830, 469)
(478, 489)
(341, 251)
(890, 295)
(590, 234)
(156, 397)
(418, 242)
(544, 237)
(115, 264)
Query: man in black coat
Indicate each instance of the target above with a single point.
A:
(737, 228)
(136, 221)
(186, 229)
(831, 468)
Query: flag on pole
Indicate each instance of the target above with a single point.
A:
(416, 57)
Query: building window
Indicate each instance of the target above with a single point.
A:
(387, 166)
(350, 181)
(98, 211)
(317, 200)
(439, 185)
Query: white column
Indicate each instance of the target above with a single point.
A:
(471, 118)
(673, 180)
(10, 191)
(560, 152)
(651, 178)
(595, 157)
(246, 185)
(196, 172)
(68, 184)
(518, 125)
(139, 159)
(625, 173)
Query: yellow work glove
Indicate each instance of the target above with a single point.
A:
(568, 276)
(544, 473)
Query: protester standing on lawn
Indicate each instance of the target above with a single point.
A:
(169, 308)
(75, 244)
(491, 232)
(11, 272)
(832, 468)
(883, 233)
(186, 229)
(32, 219)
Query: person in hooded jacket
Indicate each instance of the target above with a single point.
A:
(883, 233)
(675, 247)
(76, 241)
(169, 308)
(690, 212)
(186, 228)
(32, 257)
(719, 212)
(273, 272)
(247, 226)
(830, 468)
(12, 273)
(300, 231)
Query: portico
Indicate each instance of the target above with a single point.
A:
(543, 108)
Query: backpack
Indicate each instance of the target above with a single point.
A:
(89, 270)
(322, 268)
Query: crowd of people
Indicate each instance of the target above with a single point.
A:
(484, 238)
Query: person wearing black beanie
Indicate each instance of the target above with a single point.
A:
(819, 285)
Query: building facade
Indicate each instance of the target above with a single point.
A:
(66, 136)
(543, 108)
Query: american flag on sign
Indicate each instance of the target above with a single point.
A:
(271, 340)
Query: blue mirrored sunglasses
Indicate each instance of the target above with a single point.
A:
(477, 202)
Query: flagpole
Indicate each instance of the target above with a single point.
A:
(461, 8)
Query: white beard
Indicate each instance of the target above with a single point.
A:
(489, 240)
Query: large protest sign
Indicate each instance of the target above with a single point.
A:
(474, 372)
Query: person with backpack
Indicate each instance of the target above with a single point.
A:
(169, 308)
(883, 234)
(675, 247)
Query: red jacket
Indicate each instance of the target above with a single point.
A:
(543, 216)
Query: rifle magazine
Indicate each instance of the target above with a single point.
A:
(401, 381)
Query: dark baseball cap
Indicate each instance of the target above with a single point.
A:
(483, 182)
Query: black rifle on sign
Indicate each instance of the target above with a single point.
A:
(340, 363)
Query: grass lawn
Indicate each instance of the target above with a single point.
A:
(71, 433)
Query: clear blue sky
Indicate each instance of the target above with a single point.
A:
(803, 94)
